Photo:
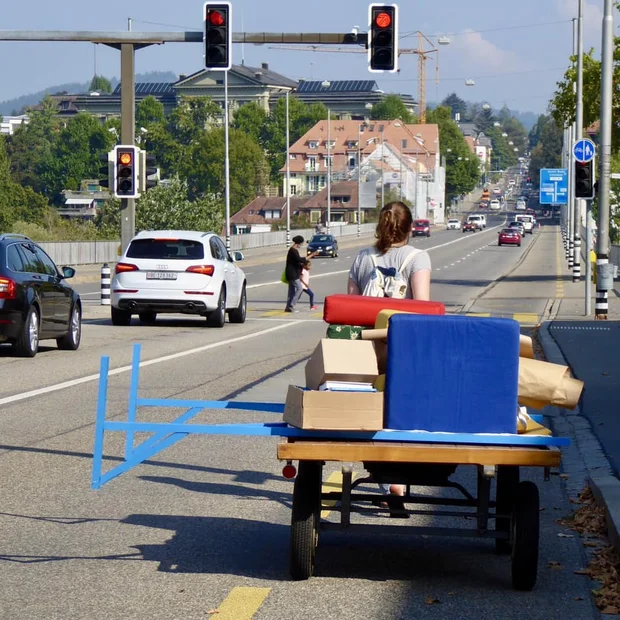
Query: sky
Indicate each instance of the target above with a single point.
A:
(514, 51)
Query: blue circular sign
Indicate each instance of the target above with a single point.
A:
(583, 150)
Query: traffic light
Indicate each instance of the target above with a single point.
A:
(106, 171)
(218, 36)
(383, 38)
(126, 172)
(584, 179)
(149, 173)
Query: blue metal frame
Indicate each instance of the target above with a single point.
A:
(167, 434)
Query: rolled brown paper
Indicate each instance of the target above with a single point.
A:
(374, 334)
(526, 348)
(542, 384)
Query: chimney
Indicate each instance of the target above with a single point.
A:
(182, 76)
(258, 74)
(264, 66)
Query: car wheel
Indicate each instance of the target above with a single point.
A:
(71, 340)
(428, 234)
(238, 314)
(499, 244)
(518, 245)
(120, 318)
(147, 317)
(27, 343)
(217, 317)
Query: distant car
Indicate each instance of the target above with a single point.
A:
(470, 227)
(182, 271)
(325, 245)
(528, 222)
(509, 236)
(495, 205)
(479, 220)
(453, 225)
(421, 228)
(35, 301)
(497, 190)
(521, 205)
(518, 226)
(512, 182)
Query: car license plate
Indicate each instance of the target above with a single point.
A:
(161, 275)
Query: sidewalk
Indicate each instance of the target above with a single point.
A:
(591, 349)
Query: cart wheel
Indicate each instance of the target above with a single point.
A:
(305, 519)
(507, 481)
(525, 530)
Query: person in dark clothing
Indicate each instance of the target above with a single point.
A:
(294, 265)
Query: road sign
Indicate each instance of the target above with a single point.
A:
(583, 150)
(553, 186)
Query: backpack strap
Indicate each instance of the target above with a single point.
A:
(408, 259)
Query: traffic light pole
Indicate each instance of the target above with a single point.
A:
(578, 136)
(128, 128)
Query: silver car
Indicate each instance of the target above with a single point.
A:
(178, 271)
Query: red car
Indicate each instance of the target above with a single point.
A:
(421, 227)
(509, 236)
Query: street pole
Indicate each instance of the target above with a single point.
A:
(226, 162)
(359, 181)
(569, 205)
(572, 199)
(329, 173)
(383, 179)
(288, 180)
(128, 136)
(579, 132)
(604, 274)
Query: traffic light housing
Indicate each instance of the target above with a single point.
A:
(149, 172)
(218, 36)
(383, 38)
(126, 172)
(106, 172)
(584, 179)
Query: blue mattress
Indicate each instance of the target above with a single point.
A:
(453, 374)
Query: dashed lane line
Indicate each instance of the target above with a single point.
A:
(242, 603)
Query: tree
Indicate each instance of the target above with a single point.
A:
(546, 140)
(390, 108)
(149, 111)
(485, 119)
(250, 118)
(462, 166)
(190, 118)
(456, 105)
(100, 84)
(203, 168)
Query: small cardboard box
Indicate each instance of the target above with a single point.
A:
(341, 360)
(342, 411)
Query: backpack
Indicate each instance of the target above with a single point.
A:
(387, 281)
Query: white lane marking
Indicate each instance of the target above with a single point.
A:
(336, 273)
(157, 360)
(85, 294)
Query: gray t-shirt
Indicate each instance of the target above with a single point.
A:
(362, 267)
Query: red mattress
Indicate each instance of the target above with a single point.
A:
(363, 311)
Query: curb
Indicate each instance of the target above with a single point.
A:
(599, 474)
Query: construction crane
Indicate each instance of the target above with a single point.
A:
(424, 50)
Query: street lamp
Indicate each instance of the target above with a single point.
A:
(327, 84)
(288, 179)
(360, 131)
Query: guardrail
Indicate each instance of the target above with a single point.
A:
(95, 252)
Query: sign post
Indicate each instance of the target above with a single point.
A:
(553, 186)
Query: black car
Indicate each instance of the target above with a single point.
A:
(35, 301)
(325, 245)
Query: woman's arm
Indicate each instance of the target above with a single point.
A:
(421, 284)
(352, 288)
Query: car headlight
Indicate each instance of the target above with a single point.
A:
(328, 247)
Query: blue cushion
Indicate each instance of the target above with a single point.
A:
(452, 374)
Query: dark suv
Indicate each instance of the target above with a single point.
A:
(35, 301)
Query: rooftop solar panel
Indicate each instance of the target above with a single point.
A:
(338, 86)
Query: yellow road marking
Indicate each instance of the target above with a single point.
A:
(478, 314)
(317, 315)
(333, 483)
(274, 313)
(242, 603)
(526, 317)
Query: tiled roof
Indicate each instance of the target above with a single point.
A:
(338, 86)
(262, 75)
(261, 204)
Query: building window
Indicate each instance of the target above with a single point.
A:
(293, 190)
(315, 216)
(219, 81)
(329, 161)
(329, 144)
(312, 163)
(313, 144)
(313, 184)
(251, 211)
(293, 156)
(322, 181)
(293, 175)
(352, 160)
(403, 144)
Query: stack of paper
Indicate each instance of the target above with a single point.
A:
(346, 386)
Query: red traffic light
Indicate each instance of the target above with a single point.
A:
(383, 20)
(215, 18)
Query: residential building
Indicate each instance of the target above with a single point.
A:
(391, 153)
(8, 124)
(262, 214)
(346, 99)
(84, 203)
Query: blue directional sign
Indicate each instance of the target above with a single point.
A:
(583, 150)
(553, 186)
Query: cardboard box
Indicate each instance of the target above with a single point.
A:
(341, 360)
(342, 411)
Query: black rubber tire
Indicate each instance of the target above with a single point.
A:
(506, 486)
(71, 341)
(518, 245)
(305, 517)
(120, 318)
(217, 318)
(23, 347)
(499, 244)
(147, 317)
(525, 536)
(238, 314)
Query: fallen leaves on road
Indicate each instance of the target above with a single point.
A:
(604, 565)
(213, 611)
(552, 564)
(429, 600)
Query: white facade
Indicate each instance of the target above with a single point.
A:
(8, 124)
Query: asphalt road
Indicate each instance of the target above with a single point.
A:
(184, 533)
